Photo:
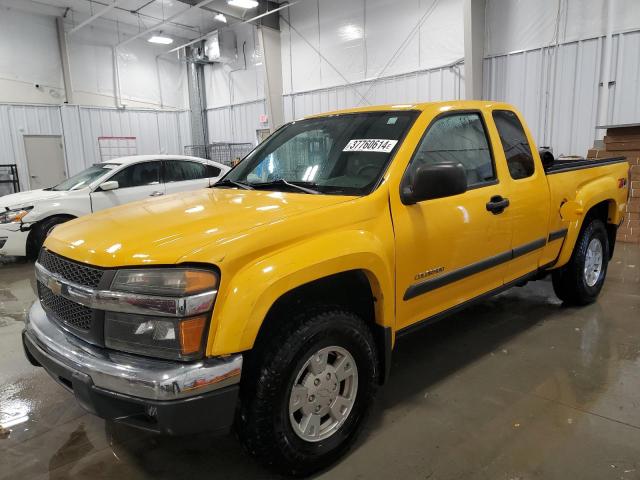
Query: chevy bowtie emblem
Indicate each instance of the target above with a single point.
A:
(55, 286)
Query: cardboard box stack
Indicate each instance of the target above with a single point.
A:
(625, 142)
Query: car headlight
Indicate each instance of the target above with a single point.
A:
(162, 336)
(14, 216)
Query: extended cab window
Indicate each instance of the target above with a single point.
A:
(458, 138)
(179, 171)
(515, 144)
(147, 173)
(338, 154)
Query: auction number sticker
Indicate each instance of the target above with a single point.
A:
(370, 145)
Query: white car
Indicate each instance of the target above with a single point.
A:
(27, 217)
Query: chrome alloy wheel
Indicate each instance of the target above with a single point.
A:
(323, 394)
(593, 262)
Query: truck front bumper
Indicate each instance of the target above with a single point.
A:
(13, 240)
(162, 396)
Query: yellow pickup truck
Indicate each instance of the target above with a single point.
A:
(272, 301)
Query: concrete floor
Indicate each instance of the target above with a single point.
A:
(518, 387)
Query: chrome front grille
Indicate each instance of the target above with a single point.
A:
(74, 272)
(79, 318)
(65, 311)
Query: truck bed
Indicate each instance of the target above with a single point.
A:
(560, 166)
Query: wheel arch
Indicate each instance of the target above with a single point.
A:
(606, 211)
(35, 228)
(354, 290)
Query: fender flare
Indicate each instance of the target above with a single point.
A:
(576, 211)
(237, 320)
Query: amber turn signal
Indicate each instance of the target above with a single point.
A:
(199, 281)
(191, 331)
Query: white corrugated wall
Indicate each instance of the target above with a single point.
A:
(155, 132)
(445, 83)
(236, 123)
(557, 88)
(625, 100)
(19, 120)
(239, 122)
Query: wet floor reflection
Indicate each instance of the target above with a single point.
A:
(516, 387)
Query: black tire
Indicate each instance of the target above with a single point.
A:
(40, 232)
(569, 282)
(263, 422)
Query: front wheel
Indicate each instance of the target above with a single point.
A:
(580, 281)
(39, 234)
(310, 391)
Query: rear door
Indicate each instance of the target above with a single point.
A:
(185, 175)
(451, 249)
(527, 191)
(136, 182)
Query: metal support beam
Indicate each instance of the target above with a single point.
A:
(116, 78)
(606, 82)
(100, 13)
(473, 47)
(272, 57)
(64, 59)
(197, 100)
(164, 22)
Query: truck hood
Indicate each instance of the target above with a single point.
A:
(163, 230)
(29, 198)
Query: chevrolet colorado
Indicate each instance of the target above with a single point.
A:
(272, 301)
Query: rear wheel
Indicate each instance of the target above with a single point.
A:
(580, 281)
(310, 389)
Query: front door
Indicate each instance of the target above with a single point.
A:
(451, 249)
(135, 182)
(45, 159)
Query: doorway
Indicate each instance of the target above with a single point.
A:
(45, 160)
(262, 134)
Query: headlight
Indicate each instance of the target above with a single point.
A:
(179, 338)
(162, 337)
(172, 282)
(14, 216)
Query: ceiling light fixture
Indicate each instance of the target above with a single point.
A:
(246, 4)
(162, 40)
(221, 18)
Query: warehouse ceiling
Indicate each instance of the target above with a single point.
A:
(186, 20)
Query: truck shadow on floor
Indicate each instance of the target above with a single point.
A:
(420, 361)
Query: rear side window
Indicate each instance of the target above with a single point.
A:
(179, 171)
(212, 171)
(458, 138)
(515, 144)
(147, 173)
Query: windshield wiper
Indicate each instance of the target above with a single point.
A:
(282, 181)
(231, 183)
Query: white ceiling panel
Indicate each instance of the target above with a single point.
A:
(132, 16)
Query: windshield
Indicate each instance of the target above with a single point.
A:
(339, 154)
(84, 178)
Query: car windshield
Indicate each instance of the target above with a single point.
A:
(338, 154)
(84, 178)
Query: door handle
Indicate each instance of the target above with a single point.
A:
(156, 194)
(497, 204)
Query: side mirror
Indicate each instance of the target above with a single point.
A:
(546, 156)
(111, 185)
(435, 181)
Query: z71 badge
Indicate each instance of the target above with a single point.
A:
(428, 273)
